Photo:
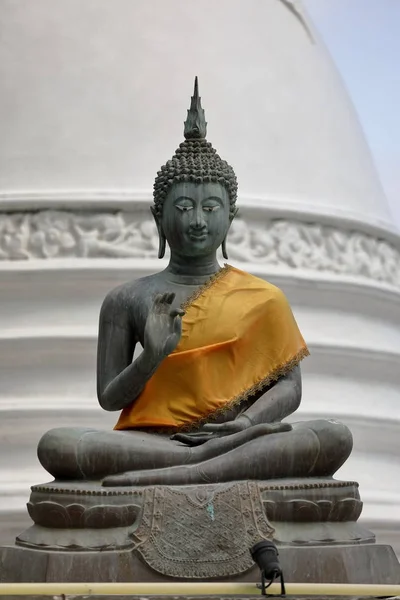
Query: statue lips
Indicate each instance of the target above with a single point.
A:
(198, 237)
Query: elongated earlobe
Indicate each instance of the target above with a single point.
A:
(161, 237)
(223, 245)
(161, 245)
(224, 252)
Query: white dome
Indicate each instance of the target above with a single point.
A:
(94, 95)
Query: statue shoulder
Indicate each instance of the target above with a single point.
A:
(272, 292)
(124, 303)
(276, 293)
(117, 304)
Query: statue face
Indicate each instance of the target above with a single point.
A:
(195, 218)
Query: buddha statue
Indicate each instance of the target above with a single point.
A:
(205, 401)
(201, 464)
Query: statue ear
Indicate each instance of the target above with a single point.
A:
(223, 247)
(161, 236)
(232, 215)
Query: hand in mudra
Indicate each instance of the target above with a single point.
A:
(163, 327)
(217, 430)
(209, 432)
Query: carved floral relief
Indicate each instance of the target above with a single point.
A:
(49, 234)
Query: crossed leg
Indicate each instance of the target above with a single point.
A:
(311, 449)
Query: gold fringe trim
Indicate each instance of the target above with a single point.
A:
(280, 371)
(276, 374)
(203, 288)
(184, 306)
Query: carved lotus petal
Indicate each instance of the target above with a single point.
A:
(199, 497)
(31, 510)
(325, 507)
(75, 513)
(348, 509)
(49, 514)
(103, 516)
(302, 510)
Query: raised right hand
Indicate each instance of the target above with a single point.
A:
(163, 327)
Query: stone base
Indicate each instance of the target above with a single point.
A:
(366, 563)
(85, 532)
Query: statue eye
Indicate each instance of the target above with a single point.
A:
(210, 208)
(184, 208)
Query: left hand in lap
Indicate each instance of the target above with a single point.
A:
(210, 431)
(227, 428)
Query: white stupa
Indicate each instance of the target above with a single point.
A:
(92, 101)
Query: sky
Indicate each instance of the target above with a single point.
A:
(363, 38)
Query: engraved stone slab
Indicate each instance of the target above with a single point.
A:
(201, 532)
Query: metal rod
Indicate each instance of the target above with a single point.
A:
(193, 589)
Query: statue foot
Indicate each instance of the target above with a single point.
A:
(131, 478)
(177, 475)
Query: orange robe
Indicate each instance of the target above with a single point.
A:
(238, 335)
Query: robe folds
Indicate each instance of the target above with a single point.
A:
(238, 336)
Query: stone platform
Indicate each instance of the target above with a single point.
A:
(86, 532)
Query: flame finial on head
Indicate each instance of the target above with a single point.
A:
(195, 124)
(194, 161)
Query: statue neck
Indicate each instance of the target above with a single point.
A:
(192, 270)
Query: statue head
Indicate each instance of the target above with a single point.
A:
(194, 192)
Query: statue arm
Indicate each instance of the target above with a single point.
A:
(119, 380)
(280, 401)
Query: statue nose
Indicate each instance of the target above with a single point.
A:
(199, 221)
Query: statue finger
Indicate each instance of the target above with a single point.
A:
(166, 301)
(170, 298)
(170, 345)
(177, 326)
(177, 312)
(157, 303)
(212, 427)
(281, 427)
(190, 439)
(164, 298)
(167, 298)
